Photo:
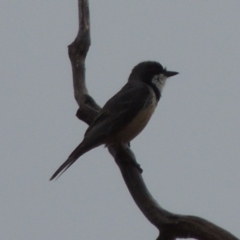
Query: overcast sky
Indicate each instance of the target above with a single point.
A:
(189, 151)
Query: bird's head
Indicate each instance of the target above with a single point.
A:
(151, 73)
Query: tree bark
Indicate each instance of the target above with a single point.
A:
(170, 225)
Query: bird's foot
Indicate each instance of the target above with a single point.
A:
(135, 164)
(128, 158)
(124, 156)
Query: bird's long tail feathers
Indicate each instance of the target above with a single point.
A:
(78, 152)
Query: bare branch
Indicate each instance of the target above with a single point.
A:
(171, 226)
(77, 51)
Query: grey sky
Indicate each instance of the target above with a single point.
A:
(189, 151)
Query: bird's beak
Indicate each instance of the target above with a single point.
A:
(170, 74)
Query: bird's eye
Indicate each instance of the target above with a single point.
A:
(154, 70)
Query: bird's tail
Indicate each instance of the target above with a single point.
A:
(78, 152)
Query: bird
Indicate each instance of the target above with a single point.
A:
(126, 114)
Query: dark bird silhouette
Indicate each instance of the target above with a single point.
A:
(126, 114)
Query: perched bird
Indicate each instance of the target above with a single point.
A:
(126, 114)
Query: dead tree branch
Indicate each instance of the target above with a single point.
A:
(171, 226)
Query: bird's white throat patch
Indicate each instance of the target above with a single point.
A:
(159, 81)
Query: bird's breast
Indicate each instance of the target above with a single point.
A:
(138, 123)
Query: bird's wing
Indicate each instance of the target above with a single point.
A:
(114, 116)
(119, 111)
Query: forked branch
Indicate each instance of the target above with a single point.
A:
(170, 226)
